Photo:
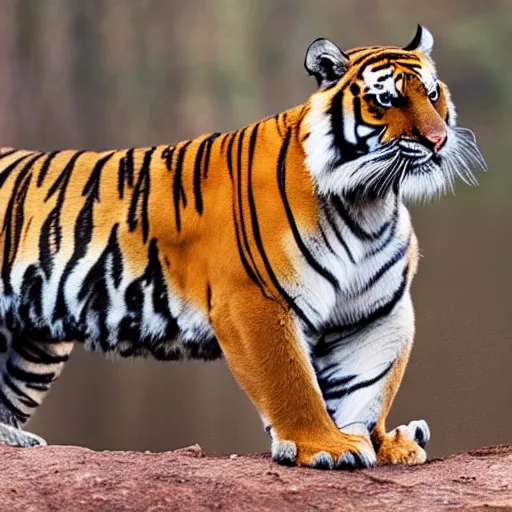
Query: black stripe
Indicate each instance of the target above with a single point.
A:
(94, 290)
(325, 382)
(362, 144)
(21, 395)
(346, 150)
(63, 179)
(34, 354)
(17, 413)
(339, 393)
(398, 256)
(84, 222)
(13, 231)
(325, 240)
(211, 140)
(197, 176)
(380, 67)
(385, 53)
(51, 235)
(167, 155)
(243, 258)
(334, 227)
(389, 237)
(209, 296)
(141, 192)
(29, 377)
(229, 155)
(117, 257)
(281, 180)
(154, 277)
(49, 241)
(145, 195)
(178, 191)
(5, 173)
(223, 141)
(248, 268)
(83, 232)
(252, 145)
(126, 165)
(252, 148)
(354, 227)
(259, 242)
(15, 219)
(376, 314)
(7, 153)
(239, 194)
(46, 167)
(411, 67)
(383, 78)
(92, 187)
(278, 128)
(245, 240)
(120, 177)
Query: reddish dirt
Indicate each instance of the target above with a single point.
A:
(71, 478)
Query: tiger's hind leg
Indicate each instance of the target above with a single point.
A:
(27, 372)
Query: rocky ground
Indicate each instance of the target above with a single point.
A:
(77, 479)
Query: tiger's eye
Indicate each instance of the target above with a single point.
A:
(434, 95)
(385, 99)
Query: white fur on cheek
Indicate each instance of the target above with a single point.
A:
(319, 146)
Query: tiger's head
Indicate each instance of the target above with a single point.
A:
(381, 121)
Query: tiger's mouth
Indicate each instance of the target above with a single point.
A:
(417, 153)
(430, 173)
(411, 169)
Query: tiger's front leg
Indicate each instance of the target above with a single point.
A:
(359, 375)
(264, 349)
(404, 444)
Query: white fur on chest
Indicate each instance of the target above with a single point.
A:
(367, 272)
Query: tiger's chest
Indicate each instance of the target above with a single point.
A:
(364, 270)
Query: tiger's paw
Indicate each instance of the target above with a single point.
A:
(12, 436)
(354, 453)
(405, 444)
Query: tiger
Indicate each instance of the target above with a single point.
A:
(285, 246)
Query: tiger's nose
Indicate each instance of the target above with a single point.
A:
(436, 139)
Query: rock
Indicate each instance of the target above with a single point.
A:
(72, 478)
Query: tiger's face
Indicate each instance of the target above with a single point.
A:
(382, 121)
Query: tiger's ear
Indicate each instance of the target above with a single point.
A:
(325, 61)
(423, 41)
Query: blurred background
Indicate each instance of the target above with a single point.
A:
(121, 73)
